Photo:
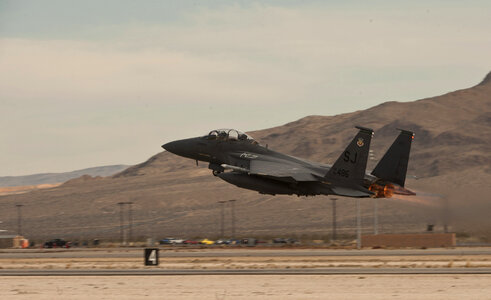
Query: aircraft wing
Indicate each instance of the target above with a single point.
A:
(282, 171)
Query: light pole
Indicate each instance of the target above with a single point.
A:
(446, 216)
(232, 202)
(375, 216)
(222, 219)
(121, 222)
(334, 218)
(130, 221)
(371, 156)
(358, 224)
(19, 219)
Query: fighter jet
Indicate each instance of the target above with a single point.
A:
(238, 159)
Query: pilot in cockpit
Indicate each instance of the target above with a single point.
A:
(230, 135)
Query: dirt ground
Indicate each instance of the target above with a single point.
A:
(242, 286)
(256, 262)
(249, 287)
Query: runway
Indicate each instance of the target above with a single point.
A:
(169, 272)
(246, 273)
(234, 252)
(243, 261)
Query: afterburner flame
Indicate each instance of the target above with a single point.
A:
(382, 191)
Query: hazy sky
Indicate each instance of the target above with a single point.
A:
(92, 83)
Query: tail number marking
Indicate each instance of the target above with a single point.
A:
(341, 172)
(348, 157)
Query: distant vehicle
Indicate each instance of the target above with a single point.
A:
(57, 243)
(190, 242)
(206, 242)
(284, 241)
(232, 242)
(171, 241)
(165, 241)
(279, 241)
(244, 241)
(220, 242)
(248, 241)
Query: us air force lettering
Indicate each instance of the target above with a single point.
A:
(238, 159)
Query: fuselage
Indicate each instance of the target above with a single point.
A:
(237, 154)
(238, 159)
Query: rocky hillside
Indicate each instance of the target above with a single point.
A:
(52, 178)
(450, 163)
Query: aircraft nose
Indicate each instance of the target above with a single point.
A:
(173, 147)
(186, 147)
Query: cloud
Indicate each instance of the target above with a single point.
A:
(252, 66)
(248, 53)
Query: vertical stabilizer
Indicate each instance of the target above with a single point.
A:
(350, 166)
(393, 165)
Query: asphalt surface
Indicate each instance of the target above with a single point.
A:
(161, 272)
(235, 252)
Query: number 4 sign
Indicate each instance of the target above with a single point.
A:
(151, 256)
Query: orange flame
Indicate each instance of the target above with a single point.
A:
(382, 191)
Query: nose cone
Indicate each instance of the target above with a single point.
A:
(186, 148)
(173, 147)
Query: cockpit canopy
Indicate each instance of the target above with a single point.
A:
(229, 135)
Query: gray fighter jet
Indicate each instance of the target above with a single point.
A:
(240, 160)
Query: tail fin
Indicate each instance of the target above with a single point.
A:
(393, 165)
(351, 165)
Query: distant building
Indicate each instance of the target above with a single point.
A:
(13, 241)
(427, 240)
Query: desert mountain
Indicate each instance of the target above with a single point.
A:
(450, 163)
(51, 178)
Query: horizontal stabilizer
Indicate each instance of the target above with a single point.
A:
(349, 192)
(399, 190)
